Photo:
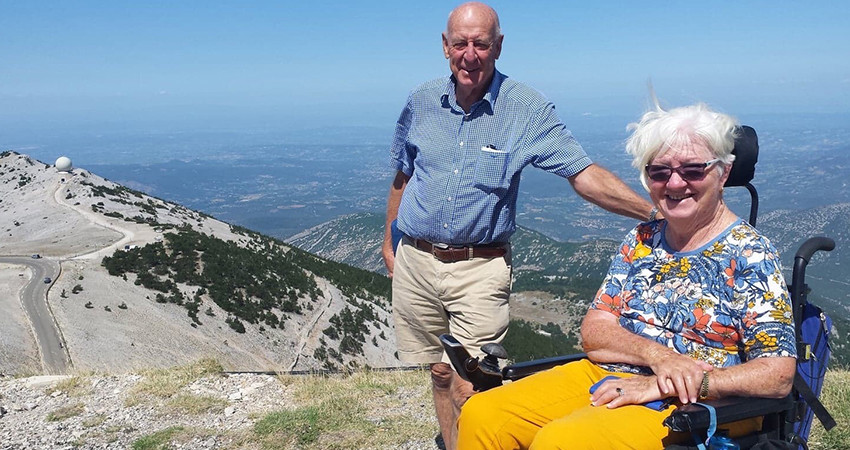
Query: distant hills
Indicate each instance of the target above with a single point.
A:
(356, 239)
(353, 239)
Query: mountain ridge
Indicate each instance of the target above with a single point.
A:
(115, 323)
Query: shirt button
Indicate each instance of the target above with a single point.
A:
(449, 199)
(455, 171)
(445, 225)
(461, 143)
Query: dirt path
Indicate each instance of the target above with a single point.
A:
(95, 219)
(307, 330)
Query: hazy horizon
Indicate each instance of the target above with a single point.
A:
(282, 183)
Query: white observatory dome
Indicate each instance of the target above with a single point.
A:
(63, 164)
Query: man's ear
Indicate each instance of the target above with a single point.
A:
(445, 46)
(497, 46)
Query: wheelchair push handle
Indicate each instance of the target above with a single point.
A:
(801, 260)
(813, 245)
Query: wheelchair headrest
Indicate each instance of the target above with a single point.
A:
(746, 156)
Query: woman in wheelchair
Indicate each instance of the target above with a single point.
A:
(694, 306)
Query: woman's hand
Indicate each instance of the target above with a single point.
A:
(679, 375)
(605, 341)
(635, 390)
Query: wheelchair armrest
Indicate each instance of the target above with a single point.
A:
(694, 417)
(516, 371)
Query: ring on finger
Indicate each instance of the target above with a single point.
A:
(620, 392)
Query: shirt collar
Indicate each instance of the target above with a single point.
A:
(449, 99)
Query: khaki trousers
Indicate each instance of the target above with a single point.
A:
(467, 299)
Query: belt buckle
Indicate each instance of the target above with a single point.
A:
(436, 246)
(439, 246)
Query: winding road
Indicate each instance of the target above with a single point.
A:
(54, 357)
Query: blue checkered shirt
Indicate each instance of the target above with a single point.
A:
(465, 168)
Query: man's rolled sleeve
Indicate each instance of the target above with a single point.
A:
(557, 150)
(401, 153)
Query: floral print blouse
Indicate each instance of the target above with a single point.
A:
(724, 303)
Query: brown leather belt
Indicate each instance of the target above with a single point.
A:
(454, 254)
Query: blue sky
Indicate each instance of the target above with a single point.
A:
(314, 63)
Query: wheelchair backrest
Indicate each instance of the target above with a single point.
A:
(746, 156)
(746, 153)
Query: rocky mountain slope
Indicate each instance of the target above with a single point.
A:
(353, 239)
(117, 322)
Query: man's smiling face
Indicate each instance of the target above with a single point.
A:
(472, 45)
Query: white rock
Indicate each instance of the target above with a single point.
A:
(43, 381)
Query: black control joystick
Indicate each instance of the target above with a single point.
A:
(490, 363)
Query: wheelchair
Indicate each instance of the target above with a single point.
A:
(779, 415)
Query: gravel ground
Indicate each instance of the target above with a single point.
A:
(108, 412)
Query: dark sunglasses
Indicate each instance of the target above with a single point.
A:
(688, 172)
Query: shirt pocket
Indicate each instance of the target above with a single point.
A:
(491, 170)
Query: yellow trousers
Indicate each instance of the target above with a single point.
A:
(552, 410)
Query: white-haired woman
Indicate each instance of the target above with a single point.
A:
(694, 306)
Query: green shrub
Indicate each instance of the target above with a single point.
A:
(524, 341)
(301, 424)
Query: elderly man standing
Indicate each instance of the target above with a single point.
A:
(459, 147)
